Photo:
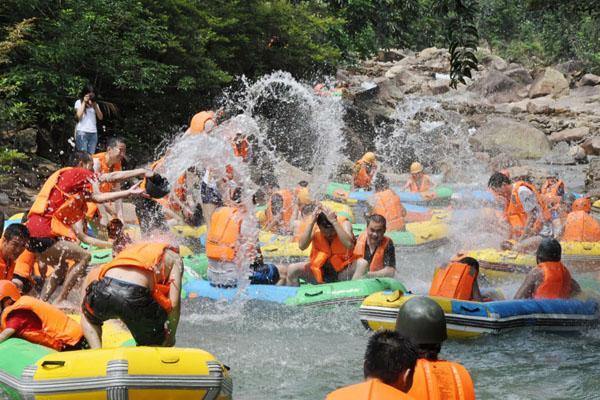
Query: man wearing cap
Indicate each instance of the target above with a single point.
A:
(364, 170)
(422, 321)
(550, 279)
(418, 181)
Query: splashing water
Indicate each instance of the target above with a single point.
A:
(296, 125)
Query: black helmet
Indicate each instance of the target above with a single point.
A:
(422, 320)
(549, 250)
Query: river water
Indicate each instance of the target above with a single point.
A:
(277, 351)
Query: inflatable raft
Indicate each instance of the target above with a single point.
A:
(470, 319)
(418, 235)
(304, 295)
(579, 256)
(118, 371)
(438, 196)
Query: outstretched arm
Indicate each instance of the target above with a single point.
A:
(6, 334)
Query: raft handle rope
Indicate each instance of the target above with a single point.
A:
(469, 309)
(398, 293)
(102, 256)
(314, 294)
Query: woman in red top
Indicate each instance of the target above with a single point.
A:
(59, 206)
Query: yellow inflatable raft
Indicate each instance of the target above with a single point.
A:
(32, 371)
(581, 257)
(275, 246)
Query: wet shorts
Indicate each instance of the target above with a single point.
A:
(210, 195)
(267, 274)
(40, 244)
(111, 298)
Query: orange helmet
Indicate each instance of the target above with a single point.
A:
(8, 289)
(369, 157)
(582, 204)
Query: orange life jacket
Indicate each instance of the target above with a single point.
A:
(373, 389)
(363, 178)
(241, 149)
(424, 186)
(454, 282)
(25, 265)
(335, 253)
(516, 215)
(105, 169)
(441, 380)
(377, 260)
(58, 330)
(199, 120)
(286, 211)
(549, 192)
(556, 283)
(71, 211)
(581, 227)
(388, 205)
(146, 256)
(222, 237)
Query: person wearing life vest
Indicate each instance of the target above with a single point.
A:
(302, 194)
(60, 205)
(550, 279)
(580, 226)
(526, 212)
(423, 322)
(230, 249)
(458, 280)
(281, 212)
(364, 171)
(418, 180)
(375, 252)
(331, 257)
(13, 243)
(141, 286)
(28, 318)
(387, 203)
(389, 365)
(202, 122)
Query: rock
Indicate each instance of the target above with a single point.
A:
(537, 174)
(542, 105)
(438, 86)
(519, 75)
(24, 140)
(592, 178)
(434, 59)
(521, 140)
(493, 62)
(578, 154)
(496, 87)
(589, 80)
(502, 161)
(570, 135)
(390, 55)
(591, 146)
(560, 155)
(4, 199)
(570, 67)
(366, 90)
(551, 82)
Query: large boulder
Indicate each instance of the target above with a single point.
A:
(570, 135)
(592, 178)
(519, 139)
(434, 59)
(519, 74)
(548, 82)
(589, 80)
(496, 87)
(591, 146)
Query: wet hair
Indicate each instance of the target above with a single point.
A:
(303, 184)
(524, 178)
(236, 195)
(18, 231)
(79, 157)
(308, 209)
(115, 141)
(276, 204)
(388, 355)
(114, 228)
(380, 183)
(497, 180)
(376, 218)
(470, 261)
(88, 88)
(323, 222)
(548, 250)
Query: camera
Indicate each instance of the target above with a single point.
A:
(92, 97)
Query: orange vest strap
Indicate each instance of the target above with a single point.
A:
(455, 282)
(377, 260)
